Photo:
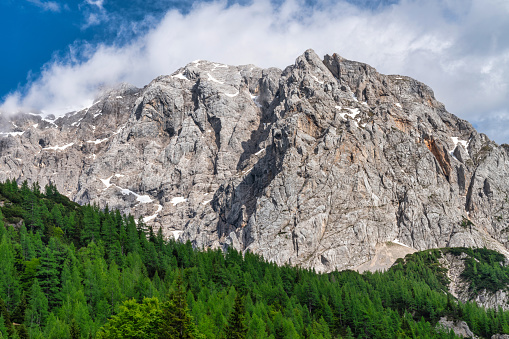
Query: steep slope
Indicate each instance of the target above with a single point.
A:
(321, 165)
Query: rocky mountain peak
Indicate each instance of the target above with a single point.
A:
(326, 164)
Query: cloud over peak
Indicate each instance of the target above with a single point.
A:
(457, 47)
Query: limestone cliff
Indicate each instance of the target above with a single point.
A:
(320, 165)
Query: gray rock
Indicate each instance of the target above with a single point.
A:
(459, 287)
(323, 165)
(460, 328)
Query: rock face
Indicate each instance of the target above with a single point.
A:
(459, 287)
(460, 328)
(320, 165)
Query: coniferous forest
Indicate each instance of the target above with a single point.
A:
(71, 271)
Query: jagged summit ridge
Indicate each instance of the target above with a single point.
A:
(325, 164)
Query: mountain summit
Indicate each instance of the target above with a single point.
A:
(327, 164)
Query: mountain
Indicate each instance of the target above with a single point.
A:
(326, 164)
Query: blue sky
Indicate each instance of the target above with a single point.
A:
(39, 31)
(57, 54)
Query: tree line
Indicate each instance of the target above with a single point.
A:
(71, 271)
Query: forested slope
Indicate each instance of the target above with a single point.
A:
(70, 271)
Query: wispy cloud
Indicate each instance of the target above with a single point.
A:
(98, 3)
(94, 13)
(459, 48)
(51, 6)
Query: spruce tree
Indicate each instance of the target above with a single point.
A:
(74, 330)
(3, 328)
(5, 317)
(236, 328)
(2, 225)
(18, 315)
(37, 311)
(9, 284)
(177, 321)
(48, 276)
(91, 225)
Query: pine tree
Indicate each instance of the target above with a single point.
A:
(9, 284)
(2, 225)
(48, 276)
(6, 318)
(177, 321)
(74, 329)
(91, 225)
(22, 332)
(37, 311)
(18, 315)
(133, 239)
(3, 328)
(256, 328)
(236, 328)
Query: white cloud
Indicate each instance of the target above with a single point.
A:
(98, 3)
(459, 48)
(51, 6)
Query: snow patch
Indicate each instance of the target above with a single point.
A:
(97, 141)
(260, 151)
(176, 234)
(255, 99)
(14, 134)
(211, 78)
(177, 200)
(353, 114)
(144, 199)
(398, 104)
(457, 141)
(119, 97)
(316, 79)
(220, 65)
(206, 202)
(58, 148)
(232, 95)
(396, 241)
(35, 125)
(149, 218)
(106, 182)
(179, 76)
(49, 121)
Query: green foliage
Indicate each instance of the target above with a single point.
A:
(484, 269)
(236, 328)
(134, 321)
(176, 320)
(70, 271)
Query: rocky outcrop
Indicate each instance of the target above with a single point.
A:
(321, 165)
(460, 328)
(459, 286)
